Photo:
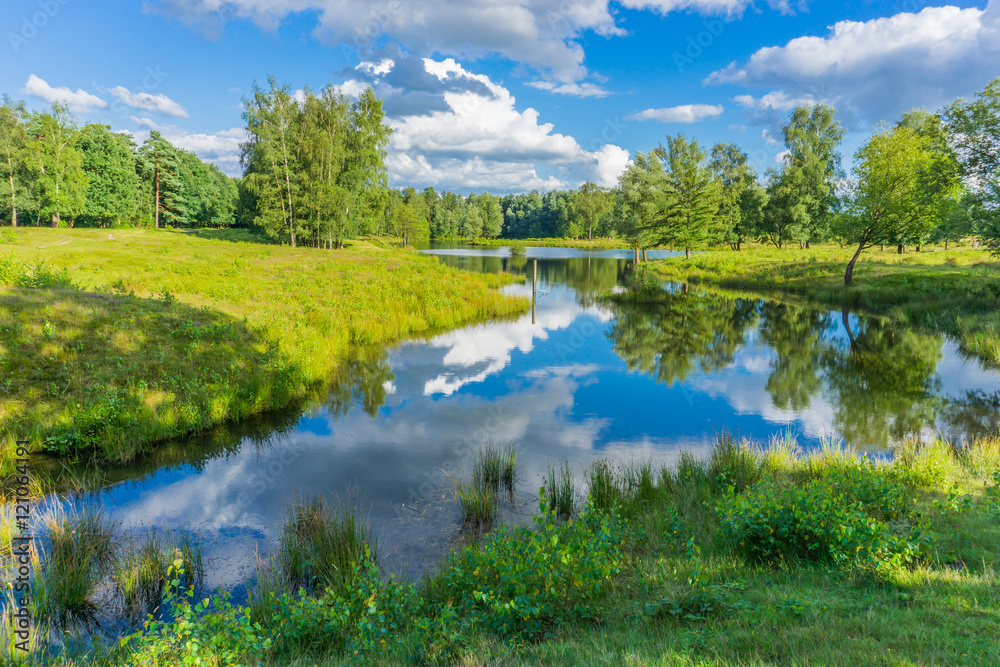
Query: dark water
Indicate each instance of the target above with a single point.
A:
(586, 380)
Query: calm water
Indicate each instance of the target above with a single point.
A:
(585, 380)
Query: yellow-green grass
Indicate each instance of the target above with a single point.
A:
(172, 332)
(955, 291)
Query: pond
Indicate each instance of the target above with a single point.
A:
(586, 379)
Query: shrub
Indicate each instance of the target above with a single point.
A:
(520, 581)
(822, 520)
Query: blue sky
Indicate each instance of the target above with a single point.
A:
(503, 96)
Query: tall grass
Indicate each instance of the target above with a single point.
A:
(603, 485)
(141, 570)
(320, 544)
(478, 503)
(560, 490)
(496, 467)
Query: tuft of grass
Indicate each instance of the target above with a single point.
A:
(495, 467)
(141, 570)
(560, 490)
(478, 502)
(320, 545)
(80, 548)
(733, 463)
(604, 485)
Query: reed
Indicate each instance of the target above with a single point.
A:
(560, 490)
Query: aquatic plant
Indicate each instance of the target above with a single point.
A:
(560, 490)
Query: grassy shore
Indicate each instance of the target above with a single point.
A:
(114, 340)
(756, 555)
(585, 244)
(956, 292)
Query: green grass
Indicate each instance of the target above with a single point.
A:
(956, 292)
(320, 544)
(669, 576)
(584, 244)
(560, 490)
(110, 343)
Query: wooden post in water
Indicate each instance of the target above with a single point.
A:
(534, 290)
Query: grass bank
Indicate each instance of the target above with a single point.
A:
(759, 554)
(956, 292)
(114, 341)
(585, 244)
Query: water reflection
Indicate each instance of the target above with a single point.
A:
(591, 378)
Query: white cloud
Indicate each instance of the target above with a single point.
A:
(688, 113)
(80, 101)
(876, 69)
(717, 7)
(457, 129)
(576, 89)
(540, 33)
(221, 149)
(782, 156)
(778, 100)
(149, 102)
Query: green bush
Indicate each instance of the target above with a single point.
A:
(520, 581)
(824, 520)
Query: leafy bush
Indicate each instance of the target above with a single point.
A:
(40, 274)
(823, 520)
(520, 581)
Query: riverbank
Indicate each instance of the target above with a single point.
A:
(956, 292)
(584, 244)
(115, 340)
(760, 554)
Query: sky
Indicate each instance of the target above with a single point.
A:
(503, 97)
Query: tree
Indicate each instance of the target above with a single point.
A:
(160, 160)
(109, 161)
(689, 217)
(62, 184)
(812, 137)
(784, 215)
(492, 214)
(975, 132)
(742, 199)
(590, 204)
(268, 157)
(890, 199)
(639, 199)
(13, 153)
(412, 224)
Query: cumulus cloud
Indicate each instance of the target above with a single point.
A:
(80, 101)
(575, 89)
(688, 113)
(149, 102)
(221, 149)
(457, 129)
(540, 33)
(874, 70)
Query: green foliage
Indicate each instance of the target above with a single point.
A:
(838, 518)
(604, 487)
(520, 581)
(33, 276)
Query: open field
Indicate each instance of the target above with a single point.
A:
(956, 291)
(113, 341)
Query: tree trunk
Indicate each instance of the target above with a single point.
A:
(900, 249)
(739, 246)
(156, 205)
(918, 247)
(807, 245)
(883, 247)
(945, 243)
(849, 274)
(13, 202)
(637, 255)
(687, 253)
(55, 220)
(846, 319)
(644, 260)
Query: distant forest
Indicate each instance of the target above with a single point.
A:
(314, 174)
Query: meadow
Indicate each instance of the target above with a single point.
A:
(113, 341)
(757, 554)
(955, 291)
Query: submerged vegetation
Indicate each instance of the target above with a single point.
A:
(740, 557)
(114, 342)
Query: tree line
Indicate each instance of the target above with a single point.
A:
(54, 172)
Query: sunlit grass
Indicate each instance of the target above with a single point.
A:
(172, 332)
